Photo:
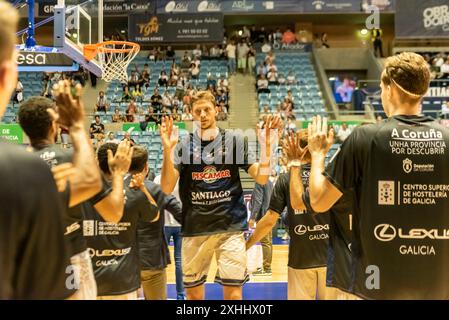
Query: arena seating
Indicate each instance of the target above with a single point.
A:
(307, 93)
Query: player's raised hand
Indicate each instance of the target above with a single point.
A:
(320, 139)
(121, 161)
(169, 133)
(137, 181)
(291, 147)
(69, 104)
(268, 135)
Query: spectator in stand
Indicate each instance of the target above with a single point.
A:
(221, 115)
(152, 117)
(128, 137)
(194, 71)
(266, 112)
(262, 85)
(273, 77)
(144, 76)
(186, 61)
(445, 69)
(102, 104)
(377, 42)
(271, 66)
(187, 114)
(131, 111)
(162, 54)
(222, 88)
(251, 60)
(246, 33)
(196, 53)
(211, 80)
(215, 52)
(289, 97)
(291, 80)
(134, 79)
(18, 95)
(165, 112)
(137, 93)
(170, 54)
(96, 128)
(126, 96)
(324, 40)
(221, 97)
(152, 55)
(180, 87)
(270, 58)
(231, 51)
(173, 79)
(242, 54)
(343, 133)
(156, 100)
(262, 69)
(167, 101)
(277, 36)
(281, 79)
(288, 37)
(118, 117)
(111, 138)
(176, 115)
(187, 99)
(262, 36)
(212, 89)
(204, 52)
(163, 79)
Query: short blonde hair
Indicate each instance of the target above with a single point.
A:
(203, 96)
(410, 73)
(8, 26)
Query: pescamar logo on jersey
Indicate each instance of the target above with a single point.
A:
(407, 165)
(210, 174)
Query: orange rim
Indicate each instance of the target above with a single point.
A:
(91, 50)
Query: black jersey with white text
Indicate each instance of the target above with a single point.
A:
(54, 155)
(308, 231)
(34, 258)
(399, 174)
(113, 246)
(209, 183)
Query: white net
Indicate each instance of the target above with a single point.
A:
(114, 59)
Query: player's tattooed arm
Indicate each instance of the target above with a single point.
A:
(169, 137)
(323, 194)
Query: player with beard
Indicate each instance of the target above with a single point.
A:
(397, 173)
(33, 253)
(307, 254)
(214, 215)
(40, 118)
(113, 246)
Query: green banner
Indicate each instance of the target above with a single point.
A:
(11, 132)
(151, 126)
(337, 124)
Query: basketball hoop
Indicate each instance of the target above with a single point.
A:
(114, 58)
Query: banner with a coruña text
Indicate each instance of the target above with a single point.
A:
(168, 28)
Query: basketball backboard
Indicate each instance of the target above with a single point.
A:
(77, 23)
